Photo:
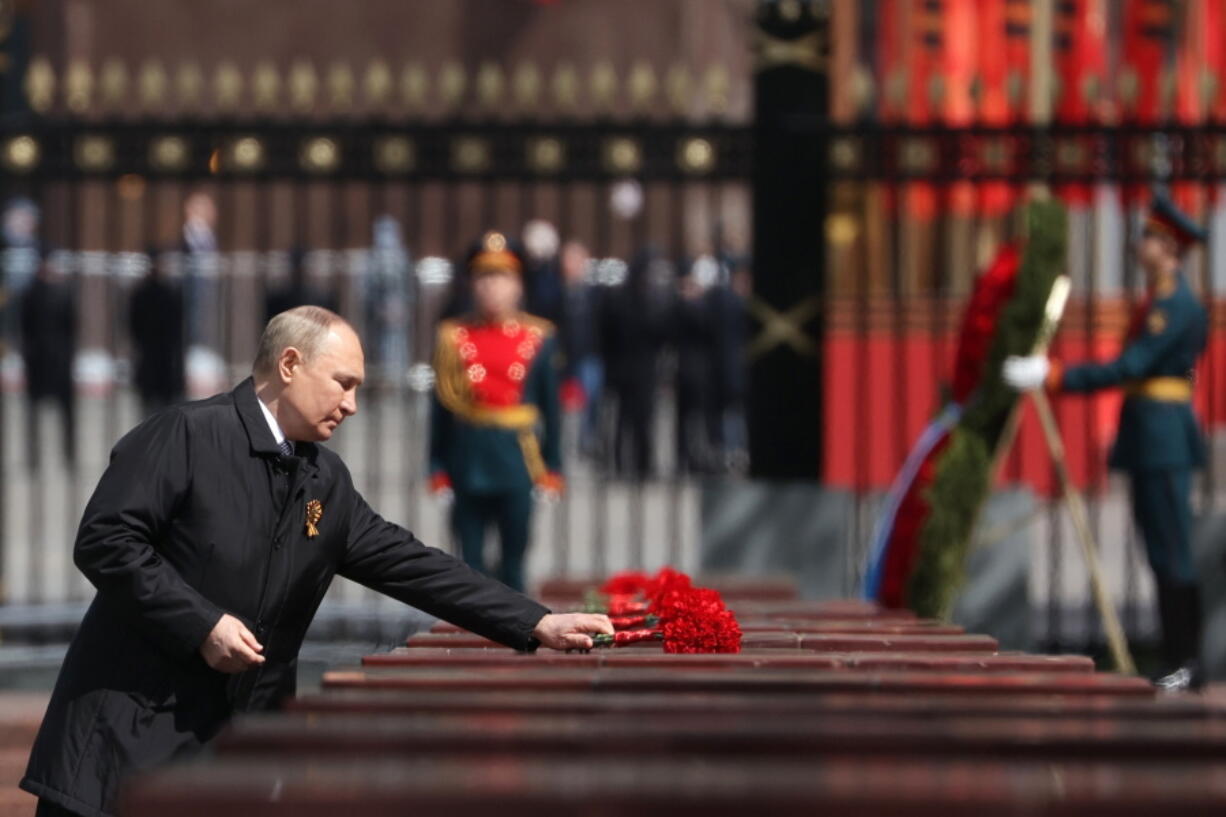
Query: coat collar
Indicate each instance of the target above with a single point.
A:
(258, 433)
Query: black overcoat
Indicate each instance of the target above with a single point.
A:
(197, 515)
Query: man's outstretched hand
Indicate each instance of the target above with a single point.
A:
(569, 631)
(231, 647)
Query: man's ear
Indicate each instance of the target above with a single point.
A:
(289, 361)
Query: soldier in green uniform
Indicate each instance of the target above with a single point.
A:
(1159, 442)
(495, 422)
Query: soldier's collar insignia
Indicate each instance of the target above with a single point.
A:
(1156, 322)
(314, 512)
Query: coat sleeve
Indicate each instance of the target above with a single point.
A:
(389, 559)
(1136, 361)
(129, 512)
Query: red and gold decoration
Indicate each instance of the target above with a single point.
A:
(481, 370)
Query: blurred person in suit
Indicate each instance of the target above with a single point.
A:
(48, 315)
(634, 325)
(156, 324)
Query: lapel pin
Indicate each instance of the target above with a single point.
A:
(314, 512)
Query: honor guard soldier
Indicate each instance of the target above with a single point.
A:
(495, 433)
(1159, 442)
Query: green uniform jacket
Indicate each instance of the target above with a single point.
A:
(487, 460)
(1152, 433)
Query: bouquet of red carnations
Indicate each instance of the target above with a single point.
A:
(668, 608)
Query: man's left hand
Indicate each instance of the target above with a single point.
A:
(569, 631)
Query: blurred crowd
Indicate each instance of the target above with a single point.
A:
(632, 331)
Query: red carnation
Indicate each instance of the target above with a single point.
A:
(702, 632)
(690, 620)
(664, 581)
(626, 583)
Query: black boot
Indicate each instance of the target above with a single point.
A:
(1181, 632)
(1168, 627)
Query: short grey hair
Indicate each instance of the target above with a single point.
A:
(303, 327)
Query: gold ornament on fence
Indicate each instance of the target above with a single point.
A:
(642, 85)
(377, 85)
(695, 155)
(414, 86)
(546, 154)
(679, 87)
(603, 84)
(565, 86)
(78, 86)
(153, 84)
(451, 84)
(490, 85)
(266, 86)
(303, 85)
(717, 89)
(340, 85)
(526, 85)
(623, 155)
(189, 84)
(113, 83)
(227, 85)
(40, 84)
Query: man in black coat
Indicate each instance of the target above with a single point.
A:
(48, 344)
(155, 319)
(212, 537)
(633, 326)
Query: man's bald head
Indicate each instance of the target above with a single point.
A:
(303, 327)
(307, 371)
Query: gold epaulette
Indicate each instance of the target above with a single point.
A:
(447, 329)
(545, 327)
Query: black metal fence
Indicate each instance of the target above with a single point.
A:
(368, 218)
(372, 215)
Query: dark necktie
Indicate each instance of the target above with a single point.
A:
(287, 448)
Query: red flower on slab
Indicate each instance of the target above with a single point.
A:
(690, 620)
(664, 581)
(626, 583)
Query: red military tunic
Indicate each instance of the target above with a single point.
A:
(496, 418)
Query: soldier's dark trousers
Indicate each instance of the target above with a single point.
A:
(1162, 509)
(511, 513)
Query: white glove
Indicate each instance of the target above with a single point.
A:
(1025, 373)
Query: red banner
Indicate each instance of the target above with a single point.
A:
(1080, 54)
(1004, 71)
(1201, 32)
